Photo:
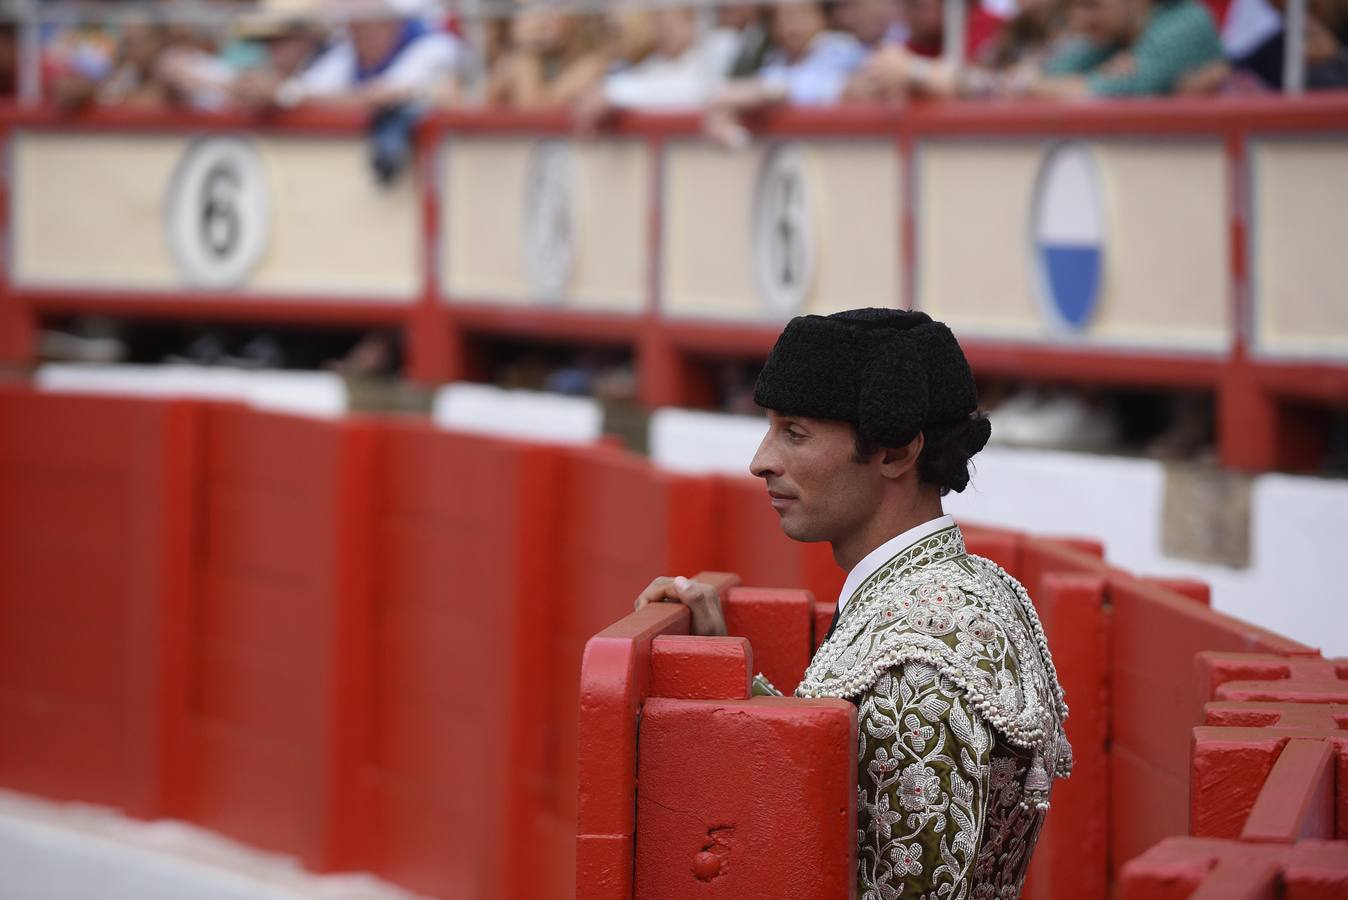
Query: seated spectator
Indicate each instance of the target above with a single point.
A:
(926, 28)
(874, 23)
(387, 57)
(1029, 38)
(1326, 49)
(272, 44)
(748, 25)
(129, 78)
(682, 73)
(552, 61)
(808, 66)
(1128, 48)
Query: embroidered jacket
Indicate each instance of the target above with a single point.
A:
(960, 723)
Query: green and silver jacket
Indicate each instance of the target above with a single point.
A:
(960, 723)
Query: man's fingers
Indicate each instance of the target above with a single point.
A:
(660, 589)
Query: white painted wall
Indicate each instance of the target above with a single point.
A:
(316, 394)
(1299, 530)
(521, 415)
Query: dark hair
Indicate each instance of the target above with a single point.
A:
(946, 451)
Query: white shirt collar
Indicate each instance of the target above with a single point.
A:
(887, 551)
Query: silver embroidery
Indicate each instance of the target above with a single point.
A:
(960, 715)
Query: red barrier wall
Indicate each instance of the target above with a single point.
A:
(460, 773)
(358, 641)
(623, 522)
(1156, 634)
(278, 705)
(95, 501)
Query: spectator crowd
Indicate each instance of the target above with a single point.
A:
(723, 62)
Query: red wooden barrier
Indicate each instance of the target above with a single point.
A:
(1071, 860)
(720, 773)
(1268, 772)
(614, 681)
(1185, 868)
(1155, 634)
(460, 773)
(623, 521)
(1250, 676)
(95, 531)
(278, 689)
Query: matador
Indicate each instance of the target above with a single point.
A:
(873, 418)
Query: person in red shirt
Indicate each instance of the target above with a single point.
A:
(926, 27)
(889, 72)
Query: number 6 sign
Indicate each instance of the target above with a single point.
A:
(218, 212)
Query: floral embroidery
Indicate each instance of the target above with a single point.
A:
(960, 724)
(907, 860)
(919, 787)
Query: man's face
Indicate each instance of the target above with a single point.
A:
(1102, 22)
(868, 20)
(813, 479)
(675, 31)
(795, 25)
(374, 39)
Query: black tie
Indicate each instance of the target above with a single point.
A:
(837, 611)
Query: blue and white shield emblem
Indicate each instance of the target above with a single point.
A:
(1068, 234)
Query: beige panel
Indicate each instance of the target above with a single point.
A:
(708, 232)
(1167, 267)
(335, 231)
(974, 203)
(613, 211)
(483, 199)
(485, 181)
(709, 196)
(1300, 193)
(89, 211)
(858, 215)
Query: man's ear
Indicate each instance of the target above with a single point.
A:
(895, 461)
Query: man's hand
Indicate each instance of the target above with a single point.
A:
(701, 598)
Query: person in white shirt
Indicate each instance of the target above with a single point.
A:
(873, 417)
(681, 74)
(389, 54)
(809, 65)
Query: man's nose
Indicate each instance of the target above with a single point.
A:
(764, 462)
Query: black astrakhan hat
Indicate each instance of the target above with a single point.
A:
(891, 373)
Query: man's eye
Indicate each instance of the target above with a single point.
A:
(795, 435)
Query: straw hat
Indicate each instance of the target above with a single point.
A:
(282, 18)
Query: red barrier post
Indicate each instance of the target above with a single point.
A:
(279, 707)
(1071, 860)
(95, 538)
(1189, 868)
(463, 767)
(1239, 770)
(1155, 635)
(615, 679)
(780, 625)
(746, 798)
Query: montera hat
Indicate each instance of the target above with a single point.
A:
(891, 373)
